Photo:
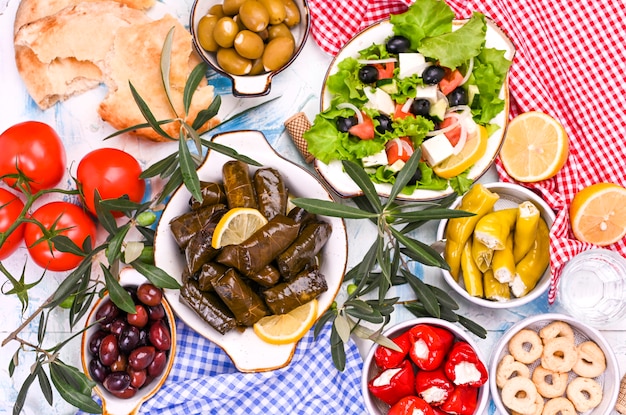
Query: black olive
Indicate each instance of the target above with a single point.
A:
(433, 74)
(417, 176)
(420, 106)
(368, 74)
(344, 124)
(398, 44)
(384, 123)
(458, 96)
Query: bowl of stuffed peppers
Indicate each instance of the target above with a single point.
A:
(438, 369)
(500, 256)
(292, 258)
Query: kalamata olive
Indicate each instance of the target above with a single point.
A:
(132, 291)
(277, 53)
(107, 312)
(120, 364)
(433, 74)
(279, 30)
(205, 33)
(292, 16)
(368, 74)
(254, 15)
(458, 96)
(249, 45)
(141, 357)
(109, 350)
(143, 336)
(149, 294)
(420, 106)
(398, 44)
(384, 123)
(137, 377)
(95, 340)
(276, 10)
(127, 393)
(225, 31)
(231, 7)
(156, 312)
(160, 335)
(128, 339)
(116, 381)
(217, 10)
(157, 365)
(417, 176)
(345, 123)
(97, 370)
(118, 325)
(140, 318)
(232, 62)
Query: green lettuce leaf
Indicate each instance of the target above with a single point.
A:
(490, 70)
(345, 84)
(425, 18)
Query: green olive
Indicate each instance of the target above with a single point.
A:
(225, 31)
(293, 13)
(254, 15)
(257, 67)
(231, 62)
(231, 7)
(240, 24)
(277, 53)
(217, 10)
(276, 10)
(264, 34)
(205, 33)
(279, 30)
(249, 45)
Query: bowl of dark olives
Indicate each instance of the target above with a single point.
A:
(249, 41)
(129, 355)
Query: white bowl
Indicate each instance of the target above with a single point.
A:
(247, 351)
(111, 404)
(510, 196)
(610, 379)
(377, 407)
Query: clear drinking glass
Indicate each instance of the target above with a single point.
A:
(592, 287)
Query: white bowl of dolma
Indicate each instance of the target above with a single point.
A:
(295, 257)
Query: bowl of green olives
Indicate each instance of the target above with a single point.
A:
(249, 41)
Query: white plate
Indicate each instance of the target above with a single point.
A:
(248, 352)
(333, 172)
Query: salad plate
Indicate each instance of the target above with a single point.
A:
(248, 352)
(332, 170)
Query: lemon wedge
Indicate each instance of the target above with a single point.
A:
(236, 226)
(287, 328)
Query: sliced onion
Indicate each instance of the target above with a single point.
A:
(462, 139)
(470, 68)
(375, 61)
(357, 112)
(457, 120)
(407, 105)
(459, 108)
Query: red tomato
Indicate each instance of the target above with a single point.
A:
(385, 70)
(36, 150)
(114, 173)
(364, 130)
(399, 114)
(451, 80)
(10, 208)
(454, 134)
(399, 149)
(66, 217)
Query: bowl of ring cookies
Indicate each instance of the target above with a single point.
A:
(552, 364)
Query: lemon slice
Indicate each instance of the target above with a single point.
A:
(236, 226)
(472, 151)
(598, 214)
(287, 328)
(535, 147)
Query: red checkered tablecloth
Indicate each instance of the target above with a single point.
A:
(570, 63)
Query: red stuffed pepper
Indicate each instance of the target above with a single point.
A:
(463, 367)
(394, 384)
(386, 358)
(433, 386)
(429, 345)
(462, 401)
(411, 405)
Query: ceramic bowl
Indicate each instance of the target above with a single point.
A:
(510, 196)
(247, 351)
(370, 370)
(609, 380)
(112, 405)
(248, 85)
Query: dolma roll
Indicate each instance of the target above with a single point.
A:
(208, 306)
(271, 192)
(253, 254)
(212, 194)
(245, 304)
(185, 226)
(199, 249)
(238, 185)
(267, 277)
(209, 272)
(284, 297)
(304, 249)
(302, 216)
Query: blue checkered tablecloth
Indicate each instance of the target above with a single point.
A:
(204, 381)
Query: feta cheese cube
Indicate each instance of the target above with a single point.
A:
(379, 100)
(396, 166)
(378, 159)
(427, 92)
(437, 149)
(411, 63)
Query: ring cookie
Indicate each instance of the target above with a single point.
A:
(525, 346)
(519, 394)
(556, 329)
(591, 360)
(538, 408)
(549, 384)
(561, 406)
(509, 368)
(559, 354)
(584, 393)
